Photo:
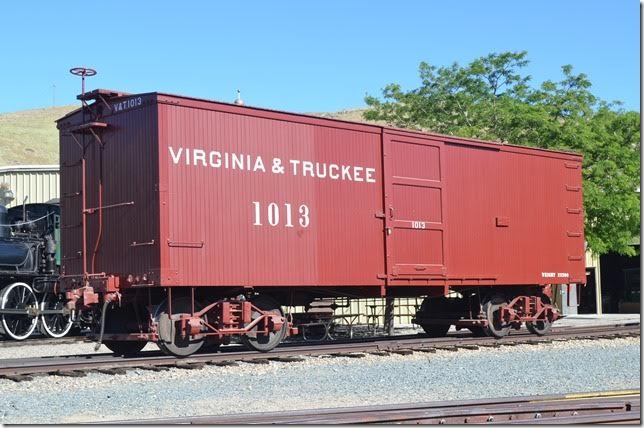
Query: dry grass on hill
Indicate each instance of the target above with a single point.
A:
(30, 136)
(352, 115)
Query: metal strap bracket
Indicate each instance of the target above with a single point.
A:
(84, 128)
(185, 244)
(141, 244)
(93, 210)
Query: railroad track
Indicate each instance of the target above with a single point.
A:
(580, 408)
(38, 341)
(22, 369)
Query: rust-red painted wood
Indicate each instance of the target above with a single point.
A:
(130, 170)
(442, 210)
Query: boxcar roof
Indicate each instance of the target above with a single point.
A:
(310, 118)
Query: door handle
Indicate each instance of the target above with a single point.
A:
(391, 211)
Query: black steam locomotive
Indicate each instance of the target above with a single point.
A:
(29, 269)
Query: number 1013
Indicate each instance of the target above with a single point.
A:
(275, 214)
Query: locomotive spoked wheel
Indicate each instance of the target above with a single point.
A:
(265, 342)
(434, 307)
(491, 309)
(178, 346)
(54, 325)
(116, 322)
(18, 296)
(540, 328)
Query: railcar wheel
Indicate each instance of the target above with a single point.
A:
(116, 322)
(124, 347)
(491, 309)
(18, 296)
(436, 330)
(265, 342)
(540, 328)
(435, 307)
(477, 331)
(178, 346)
(54, 325)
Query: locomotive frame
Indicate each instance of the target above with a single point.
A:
(29, 267)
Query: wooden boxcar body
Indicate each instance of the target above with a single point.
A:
(164, 192)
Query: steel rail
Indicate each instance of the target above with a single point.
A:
(56, 365)
(605, 406)
(40, 341)
(37, 341)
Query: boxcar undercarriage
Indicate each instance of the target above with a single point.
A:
(184, 320)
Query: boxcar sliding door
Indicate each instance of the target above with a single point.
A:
(414, 193)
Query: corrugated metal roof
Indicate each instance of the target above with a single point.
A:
(34, 168)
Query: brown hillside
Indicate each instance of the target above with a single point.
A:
(30, 136)
(352, 115)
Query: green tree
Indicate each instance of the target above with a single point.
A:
(491, 98)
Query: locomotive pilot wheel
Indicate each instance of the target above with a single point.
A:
(177, 346)
(265, 342)
(54, 325)
(18, 296)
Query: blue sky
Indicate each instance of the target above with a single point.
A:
(302, 56)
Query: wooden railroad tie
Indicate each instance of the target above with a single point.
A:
(113, 371)
(287, 359)
(18, 378)
(189, 366)
(402, 351)
(258, 361)
(447, 348)
(471, 347)
(223, 363)
(69, 373)
(154, 368)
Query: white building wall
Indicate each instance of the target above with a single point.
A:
(40, 182)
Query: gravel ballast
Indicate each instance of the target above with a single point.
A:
(558, 367)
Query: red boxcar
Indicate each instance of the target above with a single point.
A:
(206, 217)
